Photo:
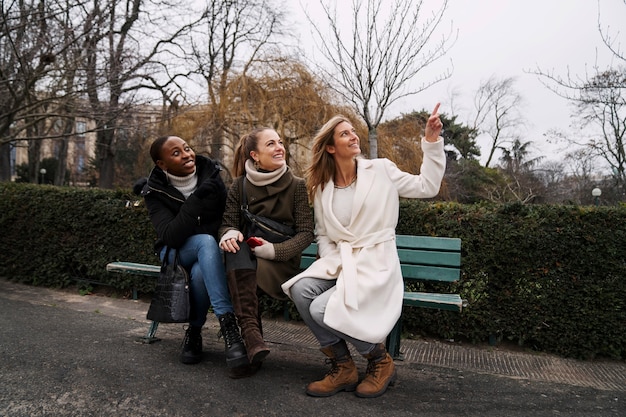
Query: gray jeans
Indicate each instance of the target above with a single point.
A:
(310, 295)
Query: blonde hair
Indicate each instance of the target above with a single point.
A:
(247, 143)
(322, 167)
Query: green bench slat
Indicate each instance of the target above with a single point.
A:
(430, 273)
(310, 250)
(305, 262)
(422, 257)
(450, 302)
(452, 244)
(134, 268)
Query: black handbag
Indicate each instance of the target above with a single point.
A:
(260, 226)
(170, 302)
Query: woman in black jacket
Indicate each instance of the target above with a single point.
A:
(185, 197)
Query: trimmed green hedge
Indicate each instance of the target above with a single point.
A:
(551, 278)
(53, 236)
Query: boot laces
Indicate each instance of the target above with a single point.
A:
(229, 332)
(188, 340)
(334, 367)
(372, 367)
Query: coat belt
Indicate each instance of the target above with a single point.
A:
(348, 262)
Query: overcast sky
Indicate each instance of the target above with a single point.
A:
(506, 38)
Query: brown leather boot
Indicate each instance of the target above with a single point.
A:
(242, 286)
(343, 375)
(380, 373)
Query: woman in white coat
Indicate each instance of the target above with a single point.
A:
(354, 291)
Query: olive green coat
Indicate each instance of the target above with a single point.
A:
(286, 201)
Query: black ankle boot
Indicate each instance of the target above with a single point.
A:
(192, 346)
(236, 354)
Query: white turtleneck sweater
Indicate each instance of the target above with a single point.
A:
(186, 185)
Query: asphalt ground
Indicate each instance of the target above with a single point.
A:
(63, 354)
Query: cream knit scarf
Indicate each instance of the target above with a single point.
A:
(260, 178)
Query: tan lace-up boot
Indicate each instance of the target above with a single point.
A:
(380, 373)
(343, 375)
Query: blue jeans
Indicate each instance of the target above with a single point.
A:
(310, 295)
(201, 256)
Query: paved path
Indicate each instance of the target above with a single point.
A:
(62, 354)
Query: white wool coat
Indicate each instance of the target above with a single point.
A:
(362, 257)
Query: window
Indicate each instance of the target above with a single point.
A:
(80, 156)
(13, 158)
(81, 128)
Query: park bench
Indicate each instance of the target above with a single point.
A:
(422, 258)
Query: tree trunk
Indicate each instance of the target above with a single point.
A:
(373, 142)
(34, 156)
(59, 176)
(68, 129)
(5, 162)
(217, 144)
(106, 157)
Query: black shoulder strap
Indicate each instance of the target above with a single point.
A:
(244, 196)
(243, 211)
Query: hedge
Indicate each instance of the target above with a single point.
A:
(53, 236)
(551, 278)
(548, 277)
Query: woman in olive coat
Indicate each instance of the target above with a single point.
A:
(274, 192)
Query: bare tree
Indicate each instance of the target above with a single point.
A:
(231, 37)
(600, 104)
(497, 106)
(603, 103)
(126, 46)
(61, 59)
(580, 181)
(65, 78)
(611, 39)
(285, 96)
(600, 101)
(376, 54)
(28, 48)
(552, 175)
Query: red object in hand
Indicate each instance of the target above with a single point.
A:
(253, 242)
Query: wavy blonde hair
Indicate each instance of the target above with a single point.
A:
(322, 167)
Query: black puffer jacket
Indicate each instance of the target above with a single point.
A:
(176, 219)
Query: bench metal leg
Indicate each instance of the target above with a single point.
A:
(286, 315)
(393, 341)
(150, 336)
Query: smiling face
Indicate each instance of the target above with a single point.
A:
(176, 157)
(270, 153)
(347, 143)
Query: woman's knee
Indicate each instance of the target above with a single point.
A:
(318, 308)
(303, 289)
(205, 241)
(195, 273)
